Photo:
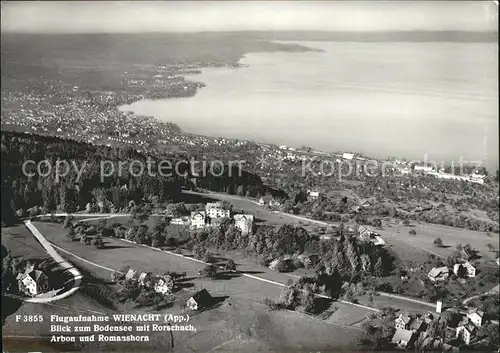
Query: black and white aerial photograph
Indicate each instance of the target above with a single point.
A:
(250, 176)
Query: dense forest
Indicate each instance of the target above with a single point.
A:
(66, 175)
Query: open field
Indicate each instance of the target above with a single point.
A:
(408, 247)
(20, 242)
(451, 237)
(270, 329)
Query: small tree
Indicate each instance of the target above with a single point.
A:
(438, 242)
(462, 271)
(210, 271)
(171, 242)
(68, 221)
(208, 257)
(230, 265)
(83, 237)
(71, 234)
(117, 276)
(271, 304)
(379, 268)
(98, 243)
(412, 232)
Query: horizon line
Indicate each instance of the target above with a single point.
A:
(254, 31)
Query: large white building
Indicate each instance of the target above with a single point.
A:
(215, 210)
(471, 270)
(423, 168)
(348, 156)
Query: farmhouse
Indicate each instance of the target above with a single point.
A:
(198, 219)
(33, 282)
(200, 300)
(402, 322)
(466, 331)
(244, 222)
(466, 254)
(403, 338)
(438, 274)
(476, 316)
(471, 270)
(163, 285)
(215, 210)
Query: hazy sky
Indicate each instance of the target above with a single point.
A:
(123, 16)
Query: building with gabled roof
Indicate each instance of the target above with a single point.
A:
(216, 210)
(403, 338)
(476, 316)
(471, 270)
(198, 219)
(131, 274)
(466, 331)
(244, 222)
(200, 300)
(143, 278)
(402, 321)
(33, 282)
(439, 274)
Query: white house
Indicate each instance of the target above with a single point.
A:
(313, 194)
(198, 219)
(403, 337)
(131, 274)
(438, 274)
(402, 322)
(423, 168)
(144, 277)
(244, 222)
(348, 156)
(163, 285)
(465, 331)
(215, 210)
(471, 270)
(33, 282)
(476, 316)
(200, 300)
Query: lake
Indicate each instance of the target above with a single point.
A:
(381, 99)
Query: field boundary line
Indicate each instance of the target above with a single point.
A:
(77, 276)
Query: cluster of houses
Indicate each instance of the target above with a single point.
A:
(160, 284)
(32, 282)
(213, 215)
(165, 285)
(410, 327)
(475, 177)
(462, 268)
(268, 200)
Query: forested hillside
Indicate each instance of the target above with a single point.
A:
(100, 177)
